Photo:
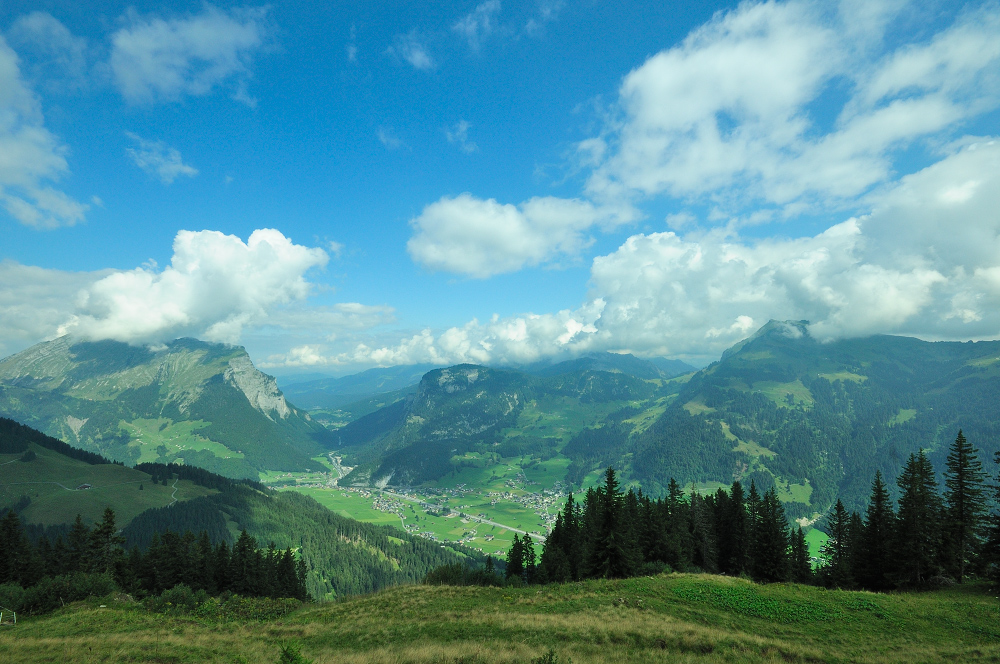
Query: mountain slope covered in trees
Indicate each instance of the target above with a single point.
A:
(342, 556)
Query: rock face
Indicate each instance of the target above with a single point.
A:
(260, 389)
(183, 402)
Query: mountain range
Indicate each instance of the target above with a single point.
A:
(813, 419)
(188, 401)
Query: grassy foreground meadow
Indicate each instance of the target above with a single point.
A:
(669, 618)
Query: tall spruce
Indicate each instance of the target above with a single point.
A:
(993, 538)
(800, 566)
(876, 553)
(770, 539)
(836, 570)
(965, 506)
(613, 556)
(918, 528)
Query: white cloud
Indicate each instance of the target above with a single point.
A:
(459, 133)
(159, 159)
(388, 138)
(215, 286)
(548, 10)
(59, 58)
(478, 24)
(164, 59)
(410, 47)
(34, 301)
(729, 113)
(480, 238)
(925, 262)
(31, 158)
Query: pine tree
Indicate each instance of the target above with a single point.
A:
(837, 570)
(105, 544)
(800, 567)
(993, 538)
(528, 552)
(918, 528)
(79, 537)
(875, 551)
(515, 559)
(613, 556)
(770, 539)
(965, 505)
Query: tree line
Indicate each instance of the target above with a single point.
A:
(930, 535)
(171, 559)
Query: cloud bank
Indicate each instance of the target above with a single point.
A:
(925, 262)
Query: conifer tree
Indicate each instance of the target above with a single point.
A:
(528, 552)
(515, 559)
(965, 505)
(771, 540)
(837, 570)
(753, 505)
(105, 547)
(918, 527)
(79, 538)
(800, 567)
(875, 548)
(613, 555)
(993, 537)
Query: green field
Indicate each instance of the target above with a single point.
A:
(669, 618)
(51, 482)
(177, 437)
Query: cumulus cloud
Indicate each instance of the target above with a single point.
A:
(215, 286)
(411, 48)
(34, 301)
(479, 23)
(459, 135)
(165, 59)
(480, 238)
(59, 58)
(924, 262)
(729, 113)
(31, 158)
(159, 159)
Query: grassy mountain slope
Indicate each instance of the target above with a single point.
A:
(819, 419)
(188, 402)
(675, 618)
(471, 414)
(814, 419)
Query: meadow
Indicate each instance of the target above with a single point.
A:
(668, 618)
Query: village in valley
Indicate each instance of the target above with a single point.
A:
(484, 519)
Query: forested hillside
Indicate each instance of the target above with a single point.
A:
(342, 556)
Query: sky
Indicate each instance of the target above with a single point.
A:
(344, 185)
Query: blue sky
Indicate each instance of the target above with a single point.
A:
(355, 184)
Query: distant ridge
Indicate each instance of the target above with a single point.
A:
(187, 402)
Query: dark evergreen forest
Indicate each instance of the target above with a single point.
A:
(930, 537)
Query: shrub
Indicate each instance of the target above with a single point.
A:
(54, 591)
(291, 654)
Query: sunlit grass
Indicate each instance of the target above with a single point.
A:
(673, 618)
